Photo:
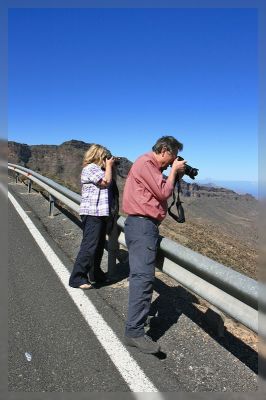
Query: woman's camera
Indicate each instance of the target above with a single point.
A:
(117, 159)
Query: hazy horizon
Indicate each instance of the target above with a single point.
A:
(238, 186)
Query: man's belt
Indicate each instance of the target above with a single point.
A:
(154, 220)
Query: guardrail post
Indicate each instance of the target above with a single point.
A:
(113, 247)
(51, 205)
(29, 185)
(17, 175)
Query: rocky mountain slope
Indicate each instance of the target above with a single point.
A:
(219, 222)
(62, 163)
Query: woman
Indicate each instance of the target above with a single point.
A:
(96, 178)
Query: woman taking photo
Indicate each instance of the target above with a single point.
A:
(96, 197)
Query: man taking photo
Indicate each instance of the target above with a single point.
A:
(145, 201)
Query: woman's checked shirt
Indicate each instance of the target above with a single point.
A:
(94, 200)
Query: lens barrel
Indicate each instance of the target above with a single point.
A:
(190, 171)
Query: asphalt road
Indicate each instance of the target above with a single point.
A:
(53, 349)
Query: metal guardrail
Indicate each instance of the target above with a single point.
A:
(231, 292)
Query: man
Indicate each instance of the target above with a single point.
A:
(145, 201)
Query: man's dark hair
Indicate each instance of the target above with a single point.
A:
(168, 142)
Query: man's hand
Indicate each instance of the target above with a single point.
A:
(179, 167)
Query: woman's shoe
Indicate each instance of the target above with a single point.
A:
(102, 278)
(98, 276)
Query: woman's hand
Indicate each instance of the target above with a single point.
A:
(105, 182)
(109, 162)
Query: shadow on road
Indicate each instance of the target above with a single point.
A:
(174, 301)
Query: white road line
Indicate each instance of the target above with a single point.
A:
(125, 364)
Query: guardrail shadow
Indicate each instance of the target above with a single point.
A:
(172, 302)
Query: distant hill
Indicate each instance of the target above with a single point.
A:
(241, 187)
(220, 223)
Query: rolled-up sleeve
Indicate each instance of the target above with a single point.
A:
(92, 173)
(153, 180)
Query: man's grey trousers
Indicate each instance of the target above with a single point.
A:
(142, 236)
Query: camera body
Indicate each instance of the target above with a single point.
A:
(117, 159)
(190, 171)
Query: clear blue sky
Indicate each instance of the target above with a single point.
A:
(125, 77)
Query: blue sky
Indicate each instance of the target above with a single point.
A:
(125, 77)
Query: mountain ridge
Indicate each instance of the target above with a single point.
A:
(24, 154)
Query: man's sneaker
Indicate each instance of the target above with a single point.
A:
(144, 343)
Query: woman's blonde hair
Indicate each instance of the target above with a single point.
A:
(96, 155)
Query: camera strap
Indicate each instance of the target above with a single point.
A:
(180, 217)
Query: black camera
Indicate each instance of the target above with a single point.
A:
(117, 159)
(190, 171)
